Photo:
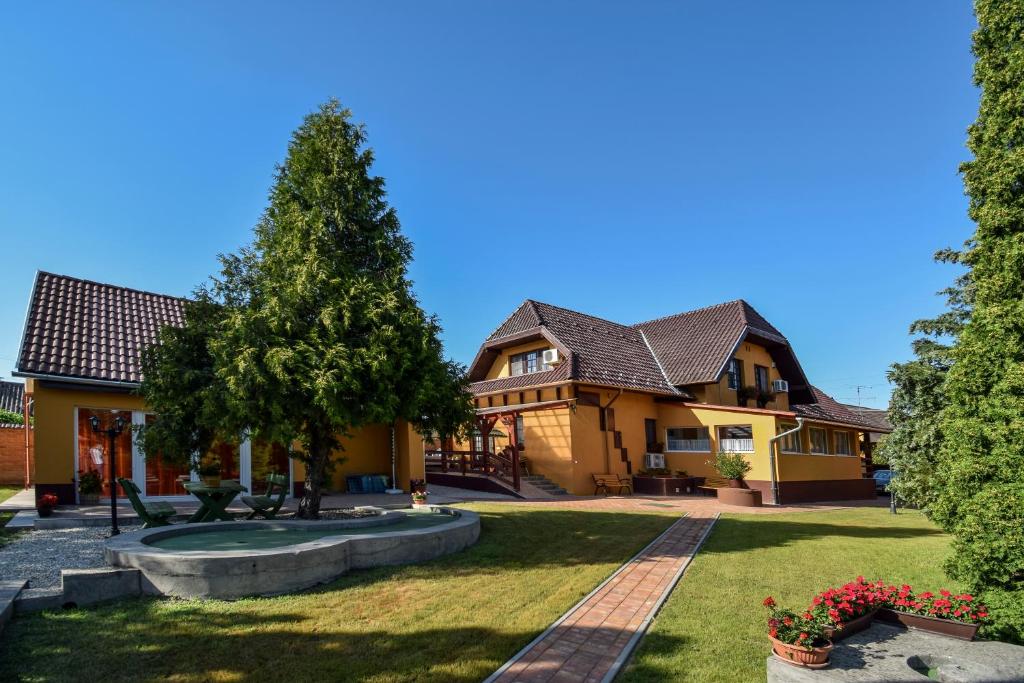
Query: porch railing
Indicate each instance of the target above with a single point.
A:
(700, 445)
(503, 465)
(736, 446)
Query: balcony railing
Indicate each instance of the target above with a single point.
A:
(699, 445)
(736, 445)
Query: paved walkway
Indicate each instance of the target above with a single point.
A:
(593, 640)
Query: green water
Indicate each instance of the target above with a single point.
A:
(261, 539)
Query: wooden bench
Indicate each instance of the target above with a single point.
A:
(606, 481)
(710, 485)
(151, 514)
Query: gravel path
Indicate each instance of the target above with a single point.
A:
(38, 556)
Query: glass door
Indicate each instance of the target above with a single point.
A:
(92, 450)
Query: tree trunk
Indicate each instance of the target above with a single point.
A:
(319, 456)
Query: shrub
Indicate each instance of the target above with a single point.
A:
(8, 417)
(732, 465)
(89, 482)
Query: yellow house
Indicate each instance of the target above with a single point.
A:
(586, 395)
(80, 354)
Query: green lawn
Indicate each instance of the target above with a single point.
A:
(454, 619)
(712, 628)
(5, 493)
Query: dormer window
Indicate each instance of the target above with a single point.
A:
(528, 362)
(735, 373)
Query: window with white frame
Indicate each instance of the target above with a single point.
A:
(528, 362)
(790, 443)
(736, 439)
(819, 440)
(842, 443)
(693, 439)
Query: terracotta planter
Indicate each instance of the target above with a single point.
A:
(851, 627)
(212, 481)
(663, 485)
(735, 483)
(740, 497)
(799, 656)
(421, 503)
(943, 627)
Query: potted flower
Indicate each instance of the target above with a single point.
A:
(90, 485)
(763, 398)
(419, 499)
(851, 607)
(797, 639)
(210, 473)
(46, 503)
(944, 613)
(744, 395)
(732, 466)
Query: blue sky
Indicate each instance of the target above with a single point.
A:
(629, 160)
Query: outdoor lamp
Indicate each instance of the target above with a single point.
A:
(112, 433)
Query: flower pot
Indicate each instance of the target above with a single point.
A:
(944, 627)
(735, 483)
(88, 499)
(44, 511)
(212, 481)
(851, 627)
(798, 656)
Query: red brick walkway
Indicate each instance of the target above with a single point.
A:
(593, 640)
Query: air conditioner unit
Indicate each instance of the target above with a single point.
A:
(780, 386)
(654, 461)
(550, 357)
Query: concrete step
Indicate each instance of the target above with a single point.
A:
(544, 484)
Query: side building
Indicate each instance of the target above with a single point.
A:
(80, 355)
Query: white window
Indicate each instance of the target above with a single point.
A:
(525, 363)
(842, 442)
(819, 440)
(692, 439)
(735, 373)
(791, 443)
(736, 439)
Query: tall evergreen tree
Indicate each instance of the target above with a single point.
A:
(979, 494)
(323, 334)
(918, 396)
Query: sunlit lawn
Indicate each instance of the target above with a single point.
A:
(712, 627)
(453, 619)
(5, 493)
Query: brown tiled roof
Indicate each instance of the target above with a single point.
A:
(875, 417)
(12, 396)
(78, 329)
(827, 409)
(601, 352)
(693, 347)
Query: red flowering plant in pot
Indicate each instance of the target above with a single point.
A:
(851, 607)
(957, 615)
(797, 638)
(46, 503)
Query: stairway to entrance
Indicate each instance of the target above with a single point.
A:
(541, 482)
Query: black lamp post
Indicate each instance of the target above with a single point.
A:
(112, 432)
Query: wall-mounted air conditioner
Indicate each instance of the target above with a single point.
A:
(550, 357)
(780, 386)
(654, 461)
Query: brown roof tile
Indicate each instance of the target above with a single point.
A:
(827, 409)
(87, 330)
(693, 347)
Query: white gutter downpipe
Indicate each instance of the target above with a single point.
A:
(771, 456)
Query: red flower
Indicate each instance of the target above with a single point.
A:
(769, 602)
(772, 632)
(804, 636)
(788, 621)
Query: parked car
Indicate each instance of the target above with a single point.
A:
(882, 480)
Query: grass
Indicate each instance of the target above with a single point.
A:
(5, 535)
(454, 619)
(712, 628)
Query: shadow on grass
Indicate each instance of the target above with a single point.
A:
(736, 535)
(148, 643)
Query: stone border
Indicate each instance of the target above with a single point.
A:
(234, 574)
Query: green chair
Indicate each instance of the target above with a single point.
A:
(151, 514)
(268, 504)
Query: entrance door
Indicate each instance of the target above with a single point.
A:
(92, 450)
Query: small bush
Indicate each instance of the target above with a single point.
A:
(732, 465)
(8, 417)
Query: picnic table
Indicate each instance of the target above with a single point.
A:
(213, 500)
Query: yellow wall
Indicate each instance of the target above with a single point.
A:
(823, 467)
(55, 438)
(368, 451)
(501, 368)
